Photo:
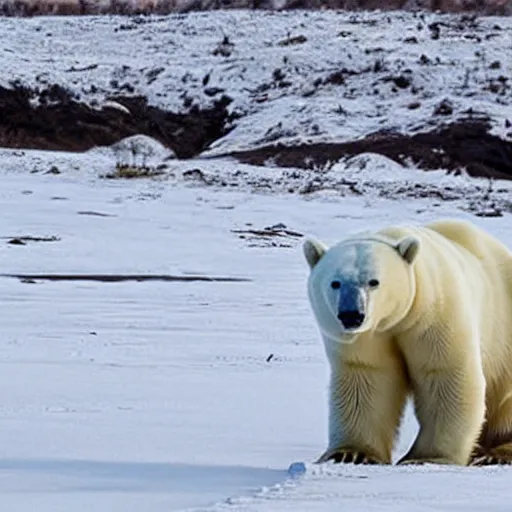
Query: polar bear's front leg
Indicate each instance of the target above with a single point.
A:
(365, 407)
(450, 408)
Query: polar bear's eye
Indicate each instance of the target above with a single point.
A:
(335, 285)
(373, 283)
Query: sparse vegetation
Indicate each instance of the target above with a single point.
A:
(130, 171)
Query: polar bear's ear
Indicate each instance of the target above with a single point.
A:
(313, 251)
(408, 248)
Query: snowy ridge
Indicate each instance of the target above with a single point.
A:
(312, 76)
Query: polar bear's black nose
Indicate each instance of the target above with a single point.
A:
(351, 319)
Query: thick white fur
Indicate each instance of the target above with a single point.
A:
(439, 328)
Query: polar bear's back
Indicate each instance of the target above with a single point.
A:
(475, 240)
(493, 260)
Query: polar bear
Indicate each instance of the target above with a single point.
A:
(420, 311)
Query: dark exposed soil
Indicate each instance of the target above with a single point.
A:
(464, 144)
(58, 121)
(116, 278)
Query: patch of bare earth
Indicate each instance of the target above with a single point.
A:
(464, 144)
(53, 119)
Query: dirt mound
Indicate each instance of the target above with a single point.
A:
(54, 119)
(464, 144)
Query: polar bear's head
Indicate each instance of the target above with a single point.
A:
(360, 284)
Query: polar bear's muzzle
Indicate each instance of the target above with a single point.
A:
(351, 307)
(351, 319)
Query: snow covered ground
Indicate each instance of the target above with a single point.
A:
(183, 395)
(204, 395)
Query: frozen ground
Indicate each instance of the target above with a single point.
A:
(163, 396)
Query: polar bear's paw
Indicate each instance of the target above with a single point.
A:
(347, 456)
(501, 455)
